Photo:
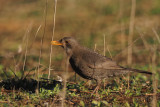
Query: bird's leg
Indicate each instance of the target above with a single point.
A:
(88, 82)
(104, 84)
(97, 88)
(75, 76)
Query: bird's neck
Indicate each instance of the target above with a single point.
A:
(76, 52)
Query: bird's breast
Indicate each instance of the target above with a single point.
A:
(79, 67)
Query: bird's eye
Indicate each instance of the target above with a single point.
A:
(68, 45)
(60, 40)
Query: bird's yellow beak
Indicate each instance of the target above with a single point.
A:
(56, 43)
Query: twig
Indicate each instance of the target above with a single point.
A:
(95, 47)
(14, 63)
(147, 46)
(54, 22)
(108, 49)
(14, 73)
(151, 94)
(35, 37)
(128, 46)
(35, 68)
(3, 101)
(154, 101)
(32, 45)
(26, 46)
(131, 31)
(156, 34)
(40, 54)
(4, 71)
(23, 42)
(104, 45)
(65, 82)
(121, 9)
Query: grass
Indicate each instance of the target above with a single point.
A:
(115, 93)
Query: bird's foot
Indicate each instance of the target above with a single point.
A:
(95, 91)
(87, 83)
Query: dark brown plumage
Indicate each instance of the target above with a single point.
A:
(89, 64)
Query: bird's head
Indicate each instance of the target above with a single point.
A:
(68, 43)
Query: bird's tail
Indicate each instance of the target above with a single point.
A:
(139, 71)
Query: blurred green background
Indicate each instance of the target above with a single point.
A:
(88, 21)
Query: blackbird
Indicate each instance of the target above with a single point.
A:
(90, 64)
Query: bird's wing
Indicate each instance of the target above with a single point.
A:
(97, 61)
(108, 65)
